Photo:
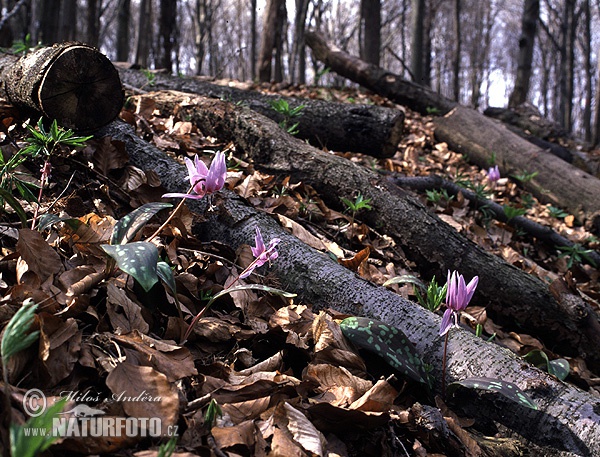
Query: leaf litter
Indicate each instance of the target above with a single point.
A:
(285, 379)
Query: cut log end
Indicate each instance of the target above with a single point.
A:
(81, 89)
(70, 82)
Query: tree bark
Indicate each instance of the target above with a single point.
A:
(167, 35)
(123, 21)
(556, 182)
(512, 296)
(565, 423)
(268, 43)
(392, 86)
(70, 82)
(370, 27)
(531, 12)
(367, 129)
(417, 48)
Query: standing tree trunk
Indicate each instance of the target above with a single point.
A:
(567, 64)
(457, 51)
(370, 30)
(68, 20)
(167, 29)
(50, 20)
(596, 133)
(269, 36)
(253, 39)
(589, 71)
(416, 48)
(531, 13)
(123, 23)
(142, 52)
(298, 54)
(280, 39)
(93, 23)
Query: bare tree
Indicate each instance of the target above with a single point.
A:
(298, 54)
(50, 20)
(457, 51)
(167, 33)
(93, 23)
(531, 13)
(272, 27)
(144, 38)
(370, 31)
(416, 48)
(123, 24)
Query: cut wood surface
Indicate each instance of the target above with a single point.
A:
(566, 423)
(70, 82)
(557, 182)
(368, 129)
(469, 131)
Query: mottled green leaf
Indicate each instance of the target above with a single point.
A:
(505, 388)
(164, 272)
(136, 259)
(17, 335)
(126, 228)
(559, 367)
(388, 342)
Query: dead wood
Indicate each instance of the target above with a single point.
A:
(565, 423)
(368, 129)
(70, 82)
(394, 87)
(556, 182)
(539, 231)
(513, 297)
(467, 130)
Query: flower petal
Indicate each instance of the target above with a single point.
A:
(446, 321)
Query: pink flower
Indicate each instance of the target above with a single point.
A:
(493, 174)
(204, 181)
(261, 253)
(458, 297)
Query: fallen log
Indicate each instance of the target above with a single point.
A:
(70, 82)
(367, 129)
(416, 97)
(566, 422)
(468, 131)
(512, 297)
(557, 182)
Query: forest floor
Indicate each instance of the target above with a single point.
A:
(251, 350)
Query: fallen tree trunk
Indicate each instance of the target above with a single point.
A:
(565, 423)
(70, 82)
(394, 87)
(371, 130)
(556, 181)
(467, 130)
(512, 297)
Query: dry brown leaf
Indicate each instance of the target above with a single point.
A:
(144, 392)
(39, 256)
(60, 343)
(379, 398)
(246, 410)
(303, 431)
(344, 387)
(174, 361)
(106, 154)
(301, 233)
(125, 315)
(238, 435)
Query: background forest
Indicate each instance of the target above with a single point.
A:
(468, 50)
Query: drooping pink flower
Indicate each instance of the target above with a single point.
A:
(204, 181)
(493, 174)
(458, 296)
(261, 253)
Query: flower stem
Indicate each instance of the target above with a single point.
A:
(444, 366)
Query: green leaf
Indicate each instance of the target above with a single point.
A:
(388, 342)
(164, 272)
(31, 444)
(559, 367)
(47, 220)
(12, 201)
(16, 335)
(137, 259)
(262, 287)
(130, 224)
(405, 279)
(505, 388)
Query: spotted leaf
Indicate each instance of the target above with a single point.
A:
(164, 272)
(130, 224)
(505, 388)
(558, 367)
(136, 259)
(388, 342)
